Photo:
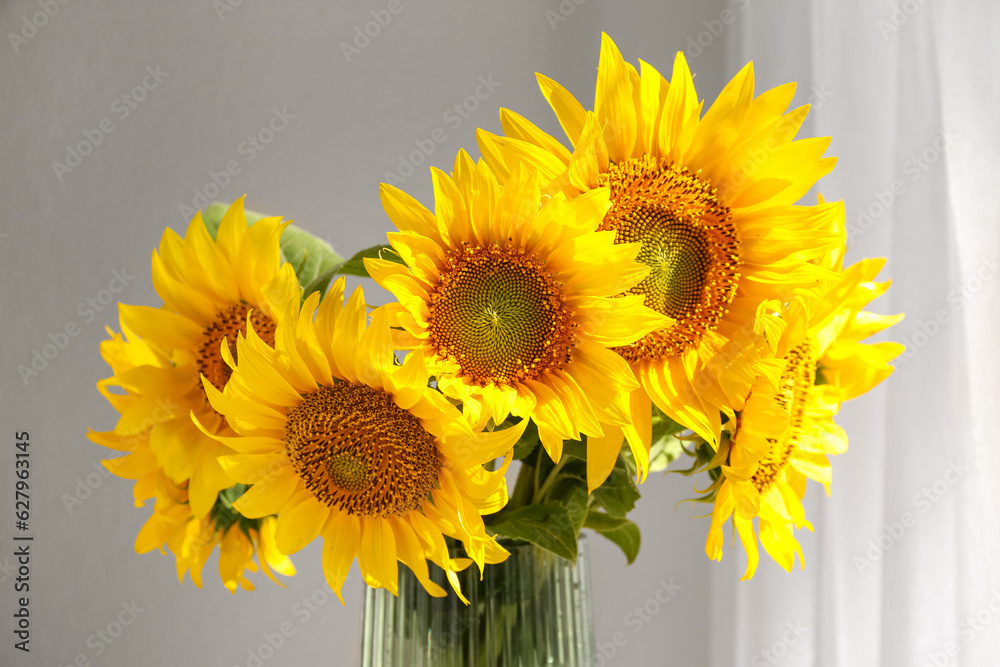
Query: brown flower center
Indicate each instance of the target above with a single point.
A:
(688, 241)
(500, 315)
(229, 324)
(360, 452)
(793, 395)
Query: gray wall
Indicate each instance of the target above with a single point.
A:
(66, 234)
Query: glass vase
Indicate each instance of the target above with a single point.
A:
(531, 610)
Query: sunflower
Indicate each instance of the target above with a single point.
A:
(209, 288)
(172, 523)
(192, 541)
(711, 199)
(509, 303)
(340, 441)
(784, 435)
(139, 462)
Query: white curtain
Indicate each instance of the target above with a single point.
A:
(904, 567)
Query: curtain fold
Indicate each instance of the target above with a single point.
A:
(906, 555)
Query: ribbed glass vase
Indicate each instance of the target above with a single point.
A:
(533, 609)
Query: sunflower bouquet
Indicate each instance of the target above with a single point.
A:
(655, 283)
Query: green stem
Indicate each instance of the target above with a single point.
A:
(542, 493)
(522, 487)
(538, 468)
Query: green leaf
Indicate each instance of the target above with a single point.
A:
(223, 515)
(312, 257)
(571, 490)
(618, 493)
(602, 522)
(621, 531)
(577, 502)
(628, 538)
(575, 449)
(527, 442)
(548, 526)
(355, 266)
(575, 470)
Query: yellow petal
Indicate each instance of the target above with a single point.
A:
(406, 213)
(602, 453)
(232, 228)
(234, 553)
(519, 127)
(300, 521)
(243, 414)
(721, 511)
(374, 354)
(678, 109)
(570, 113)
(412, 555)
(269, 556)
(341, 543)
(744, 528)
(614, 103)
(377, 554)
(268, 495)
(170, 329)
(206, 483)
